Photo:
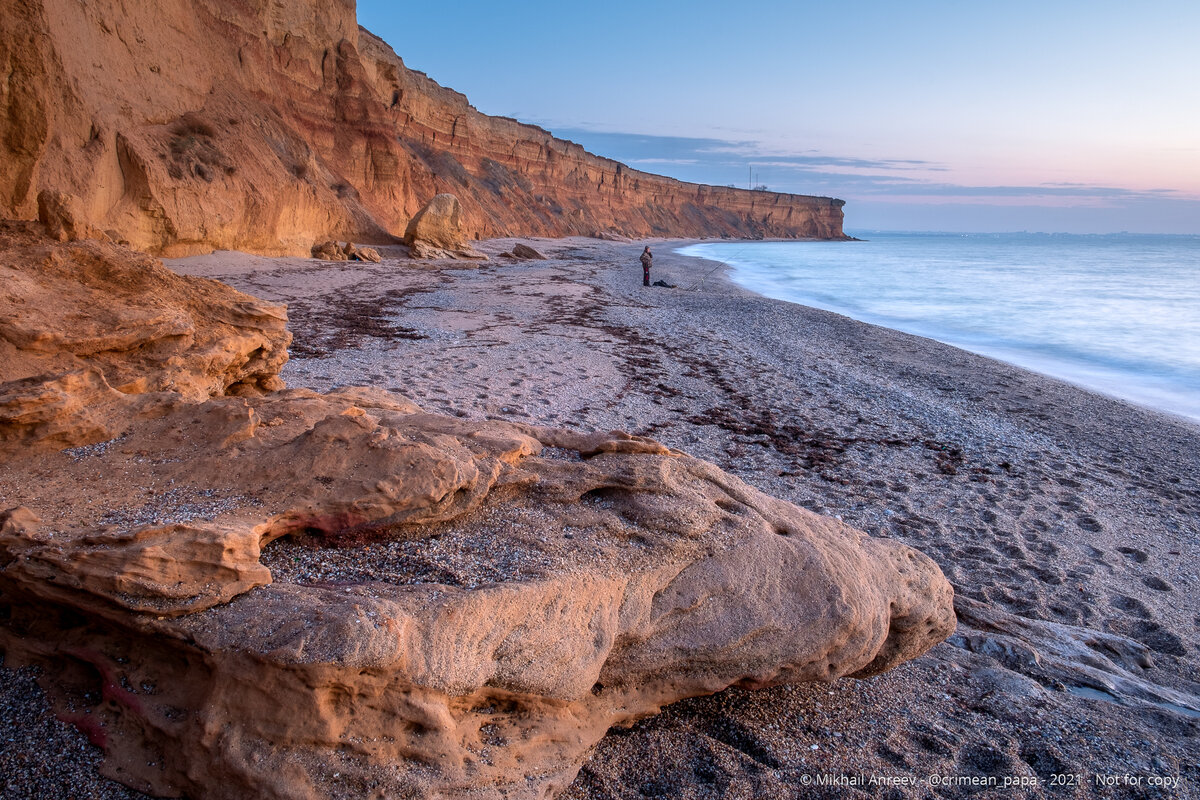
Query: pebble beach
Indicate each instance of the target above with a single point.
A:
(1059, 515)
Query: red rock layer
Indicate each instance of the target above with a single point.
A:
(190, 126)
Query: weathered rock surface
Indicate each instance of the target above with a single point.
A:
(1069, 657)
(291, 595)
(438, 224)
(329, 251)
(92, 335)
(266, 127)
(522, 250)
(62, 218)
(437, 231)
(332, 251)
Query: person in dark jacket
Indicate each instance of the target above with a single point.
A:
(647, 260)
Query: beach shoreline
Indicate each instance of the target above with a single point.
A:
(1066, 307)
(1055, 511)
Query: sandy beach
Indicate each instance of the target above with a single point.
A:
(1067, 521)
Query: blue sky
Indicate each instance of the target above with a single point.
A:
(1050, 116)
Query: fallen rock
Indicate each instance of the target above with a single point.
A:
(525, 251)
(422, 604)
(332, 251)
(69, 409)
(328, 251)
(611, 236)
(436, 231)
(438, 224)
(93, 335)
(368, 254)
(425, 252)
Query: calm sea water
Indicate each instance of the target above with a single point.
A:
(1117, 313)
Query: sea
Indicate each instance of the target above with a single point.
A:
(1116, 313)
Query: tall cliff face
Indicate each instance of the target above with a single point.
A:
(190, 126)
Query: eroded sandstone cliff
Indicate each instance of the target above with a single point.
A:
(184, 127)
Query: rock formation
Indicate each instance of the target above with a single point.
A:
(332, 251)
(521, 250)
(92, 335)
(334, 585)
(218, 125)
(60, 215)
(437, 231)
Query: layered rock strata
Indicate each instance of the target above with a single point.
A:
(189, 127)
(307, 595)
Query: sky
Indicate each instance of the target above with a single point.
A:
(1080, 117)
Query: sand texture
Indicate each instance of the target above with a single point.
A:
(1066, 521)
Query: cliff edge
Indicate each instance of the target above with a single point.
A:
(187, 127)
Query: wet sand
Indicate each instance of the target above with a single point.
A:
(1067, 521)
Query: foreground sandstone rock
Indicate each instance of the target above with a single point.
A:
(269, 126)
(311, 596)
(93, 335)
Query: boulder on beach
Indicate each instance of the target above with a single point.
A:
(328, 251)
(346, 567)
(611, 236)
(332, 251)
(521, 250)
(369, 254)
(436, 231)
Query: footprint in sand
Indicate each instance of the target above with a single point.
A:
(1129, 605)
(892, 757)
(986, 760)
(1045, 760)
(1140, 556)
(1050, 577)
(1072, 615)
(1044, 548)
(1012, 551)
(1158, 584)
(932, 744)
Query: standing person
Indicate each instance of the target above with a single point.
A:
(647, 260)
